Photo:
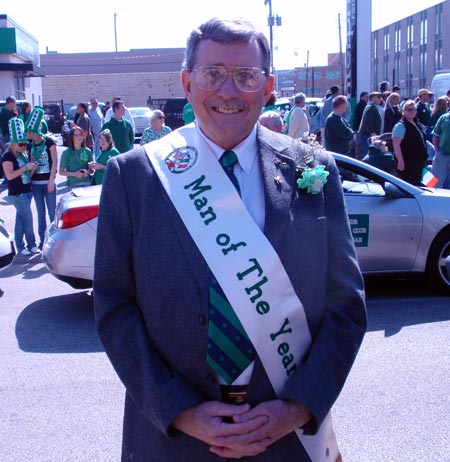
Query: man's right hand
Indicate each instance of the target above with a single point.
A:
(204, 422)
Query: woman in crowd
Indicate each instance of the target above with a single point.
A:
(392, 113)
(25, 109)
(107, 150)
(410, 147)
(74, 163)
(439, 109)
(84, 122)
(157, 128)
(43, 153)
(18, 169)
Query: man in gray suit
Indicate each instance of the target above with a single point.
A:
(159, 279)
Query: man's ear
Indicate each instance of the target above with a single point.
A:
(270, 83)
(186, 82)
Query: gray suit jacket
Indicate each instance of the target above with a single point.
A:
(151, 300)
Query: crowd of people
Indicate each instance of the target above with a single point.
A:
(380, 132)
(415, 132)
(29, 160)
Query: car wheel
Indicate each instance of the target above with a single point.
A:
(438, 265)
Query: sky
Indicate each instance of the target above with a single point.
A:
(88, 26)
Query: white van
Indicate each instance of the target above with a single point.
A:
(440, 84)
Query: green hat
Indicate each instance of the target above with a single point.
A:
(17, 130)
(33, 123)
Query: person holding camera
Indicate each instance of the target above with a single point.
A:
(18, 170)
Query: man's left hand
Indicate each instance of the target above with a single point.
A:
(284, 417)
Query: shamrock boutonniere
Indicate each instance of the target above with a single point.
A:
(308, 177)
(313, 179)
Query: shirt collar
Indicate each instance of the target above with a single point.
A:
(245, 151)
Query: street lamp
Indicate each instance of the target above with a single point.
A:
(115, 30)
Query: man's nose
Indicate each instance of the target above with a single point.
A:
(229, 86)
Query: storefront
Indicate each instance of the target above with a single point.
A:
(20, 74)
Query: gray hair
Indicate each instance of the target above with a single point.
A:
(156, 114)
(226, 31)
(271, 120)
(299, 98)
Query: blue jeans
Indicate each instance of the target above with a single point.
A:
(43, 198)
(441, 169)
(24, 221)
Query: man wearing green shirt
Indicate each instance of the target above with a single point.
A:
(121, 130)
(441, 142)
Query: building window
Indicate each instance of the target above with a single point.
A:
(438, 39)
(386, 54)
(398, 37)
(409, 55)
(410, 33)
(423, 49)
(397, 52)
(423, 28)
(20, 86)
(375, 57)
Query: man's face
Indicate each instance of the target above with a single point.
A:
(226, 115)
(119, 111)
(341, 109)
(94, 103)
(425, 98)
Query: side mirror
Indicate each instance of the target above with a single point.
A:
(393, 191)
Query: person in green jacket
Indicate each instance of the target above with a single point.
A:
(107, 150)
(120, 128)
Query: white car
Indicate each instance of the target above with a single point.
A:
(7, 250)
(397, 228)
(141, 118)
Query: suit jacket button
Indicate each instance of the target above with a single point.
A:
(211, 378)
(202, 319)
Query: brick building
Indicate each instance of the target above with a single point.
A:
(312, 81)
(409, 52)
(134, 75)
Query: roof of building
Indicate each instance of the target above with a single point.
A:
(133, 61)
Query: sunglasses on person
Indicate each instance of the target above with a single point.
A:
(411, 109)
(161, 117)
(22, 145)
(246, 79)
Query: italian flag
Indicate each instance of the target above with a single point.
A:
(428, 179)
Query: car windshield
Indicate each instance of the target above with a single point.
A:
(140, 111)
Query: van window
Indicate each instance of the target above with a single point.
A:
(440, 85)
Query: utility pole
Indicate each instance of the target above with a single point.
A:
(115, 30)
(341, 61)
(307, 70)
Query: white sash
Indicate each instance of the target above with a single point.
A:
(242, 260)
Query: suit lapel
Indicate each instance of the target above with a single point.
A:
(278, 172)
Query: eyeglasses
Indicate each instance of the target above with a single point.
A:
(22, 145)
(411, 109)
(161, 117)
(247, 79)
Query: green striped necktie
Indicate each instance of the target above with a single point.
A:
(229, 348)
